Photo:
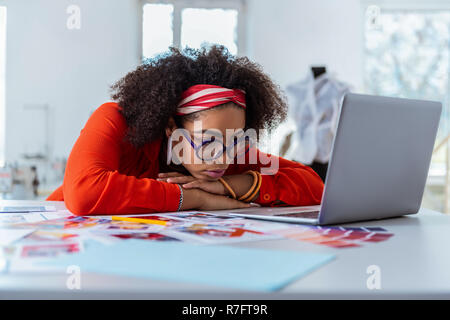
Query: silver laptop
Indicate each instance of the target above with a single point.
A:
(378, 166)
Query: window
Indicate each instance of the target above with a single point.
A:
(2, 83)
(193, 23)
(407, 52)
(157, 26)
(204, 26)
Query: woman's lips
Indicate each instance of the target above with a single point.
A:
(215, 173)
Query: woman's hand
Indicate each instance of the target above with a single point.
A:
(174, 177)
(189, 182)
(202, 194)
(202, 200)
(240, 183)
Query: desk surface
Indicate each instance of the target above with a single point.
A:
(414, 263)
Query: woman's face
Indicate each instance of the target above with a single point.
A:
(216, 120)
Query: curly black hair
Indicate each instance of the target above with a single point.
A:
(149, 95)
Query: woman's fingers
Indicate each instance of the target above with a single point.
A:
(182, 179)
(169, 174)
(209, 186)
(174, 177)
(199, 184)
(241, 204)
(218, 202)
(192, 184)
(228, 203)
(164, 176)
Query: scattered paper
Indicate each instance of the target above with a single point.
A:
(218, 233)
(12, 209)
(145, 236)
(43, 236)
(31, 217)
(8, 236)
(50, 250)
(335, 237)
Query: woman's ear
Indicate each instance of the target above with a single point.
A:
(171, 126)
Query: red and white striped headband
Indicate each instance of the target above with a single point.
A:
(205, 96)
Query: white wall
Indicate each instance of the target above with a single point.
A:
(70, 70)
(287, 36)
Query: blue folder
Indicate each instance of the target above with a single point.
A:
(240, 268)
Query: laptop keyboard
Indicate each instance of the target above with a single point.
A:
(308, 214)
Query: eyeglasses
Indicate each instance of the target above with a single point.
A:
(213, 148)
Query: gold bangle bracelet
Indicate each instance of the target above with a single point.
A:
(250, 191)
(227, 186)
(258, 186)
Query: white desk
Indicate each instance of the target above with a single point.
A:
(414, 263)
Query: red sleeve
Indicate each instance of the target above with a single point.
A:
(288, 182)
(92, 183)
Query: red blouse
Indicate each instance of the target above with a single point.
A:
(107, 175)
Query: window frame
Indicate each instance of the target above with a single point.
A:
(395, 6)
(179, 5)
(413, 6)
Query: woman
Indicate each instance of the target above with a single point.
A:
(125, 161)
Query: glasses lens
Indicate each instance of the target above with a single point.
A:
(239, 147)
(210, 150)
